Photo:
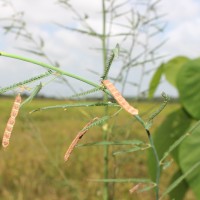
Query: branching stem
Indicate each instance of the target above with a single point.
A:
(58, 70)
(158, 171)
(105, 99)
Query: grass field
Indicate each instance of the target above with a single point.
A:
(32, 168)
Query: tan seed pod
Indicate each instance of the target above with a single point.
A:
(11, 121)
(119, 98)
(135, 188)
(77, 138)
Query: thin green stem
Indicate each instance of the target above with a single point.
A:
(106, 160)
(104, 35)
(158, 166)
(58, 70)
(158, 171)
(105, 132)
(140, 120)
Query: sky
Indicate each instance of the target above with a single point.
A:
(76, 53)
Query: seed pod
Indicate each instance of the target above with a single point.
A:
(11, 121)
(135, 188)
(77, 138)
(119, 98)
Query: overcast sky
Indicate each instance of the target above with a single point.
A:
(74, 52)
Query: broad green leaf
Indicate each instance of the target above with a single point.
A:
(180, 140)
(173, 146)
(193, 168)
(182, 186)
(188, 84)
(189, 156)
(155, 81)
(173, 67)
(173, 127)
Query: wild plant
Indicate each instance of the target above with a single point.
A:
(179, 133)
(138, 23)
(147, 184)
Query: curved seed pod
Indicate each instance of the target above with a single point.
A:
(77, 138)
(119, 98)
(11, 121)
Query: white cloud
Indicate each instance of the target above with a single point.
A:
(185, 39)
(180, 11)
(72, 49)
(183, 18)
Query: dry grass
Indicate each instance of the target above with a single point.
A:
(33, 166)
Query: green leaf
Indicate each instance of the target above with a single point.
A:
(193, 168)
(84, 104)
(188, 83)
(16, 85)
(96, 89)
(105, 143)
(123, 180)
(173, 146)
(179, 141)
(189, 156)
(147, 188)
(183, 187)
(173, 67)
(157, 112)
(114, 54)
(97, 122)
(136, 148)
(173, 127)
(32, 95)
(155, 81)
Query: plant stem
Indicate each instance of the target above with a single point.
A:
(105, 99)
(58, 70)
(157, 164)
(103, 38)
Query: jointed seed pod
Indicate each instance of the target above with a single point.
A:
(11, 121)
(77, 138)
(119, 98)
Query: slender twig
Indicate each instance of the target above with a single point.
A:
(58, 70)
(158, 168)
(105, 132)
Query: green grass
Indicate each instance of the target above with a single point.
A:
(33, 168)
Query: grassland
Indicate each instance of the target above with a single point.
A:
(32, 168)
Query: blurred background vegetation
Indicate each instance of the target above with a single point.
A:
(33, 166)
